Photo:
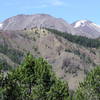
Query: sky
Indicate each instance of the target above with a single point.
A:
(70, 10)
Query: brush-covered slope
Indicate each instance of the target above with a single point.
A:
(70, 60)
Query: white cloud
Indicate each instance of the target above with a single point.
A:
(47, 4)
(43, 4)
(40, 6)
(57, 3)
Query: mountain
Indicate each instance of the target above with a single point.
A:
(72, 56)
(1, 25)
(89, 28)
(70, 60)
(21, 22)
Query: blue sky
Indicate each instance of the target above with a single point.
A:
(70, 10)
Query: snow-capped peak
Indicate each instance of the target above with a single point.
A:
(1, 25)
(80, 23)
(95, 25)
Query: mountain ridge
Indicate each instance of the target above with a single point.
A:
(22, 21)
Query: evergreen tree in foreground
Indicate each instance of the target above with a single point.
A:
(33, 80)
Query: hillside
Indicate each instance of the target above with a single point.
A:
(70, 60)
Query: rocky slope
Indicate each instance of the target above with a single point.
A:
(70, 61)
(20, 22)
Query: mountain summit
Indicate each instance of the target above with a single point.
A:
(21, 22)
(89, 28)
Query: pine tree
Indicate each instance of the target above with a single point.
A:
(33, 80)
(90, 88)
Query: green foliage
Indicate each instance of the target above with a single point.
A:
(15, 55)
(90, 88)
(5, 65)
(2, 90)
(58, 91)
(81, 40)
(33, 80)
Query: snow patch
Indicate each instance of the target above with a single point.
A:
(80, 23)
(1, 25)
(95, 25)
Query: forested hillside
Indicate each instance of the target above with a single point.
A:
(81, 40)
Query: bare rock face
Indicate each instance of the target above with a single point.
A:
(21, 22)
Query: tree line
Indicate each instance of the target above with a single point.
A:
(81, 40)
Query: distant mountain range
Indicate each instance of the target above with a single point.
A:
(21, 22)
